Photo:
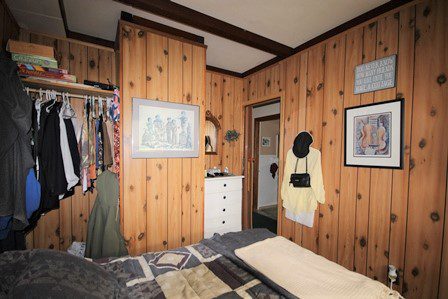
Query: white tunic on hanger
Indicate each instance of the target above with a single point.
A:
(69, 171)
(299, 200)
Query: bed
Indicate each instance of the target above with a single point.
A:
(233, 265)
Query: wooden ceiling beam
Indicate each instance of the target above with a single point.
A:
(198, 20)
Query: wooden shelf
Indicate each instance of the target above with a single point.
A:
(74, 88)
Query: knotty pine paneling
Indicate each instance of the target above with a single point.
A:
(224, 97)
(162, 199)
(375, 217)
(59, 228)
(428, 170)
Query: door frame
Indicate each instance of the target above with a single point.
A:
(247, 108)
(256, 143)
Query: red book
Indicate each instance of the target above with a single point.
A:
(62, 77)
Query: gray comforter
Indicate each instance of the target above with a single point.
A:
(207, 270)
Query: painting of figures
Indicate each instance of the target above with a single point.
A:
(163, 129)
(166, 129)
(372, 135)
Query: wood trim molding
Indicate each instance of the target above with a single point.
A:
(223, 71)
(193, 18)
(71, 40)
(248, 156)
(80, 36)
(256, 155)
(161, 27)
(265, 99)
(123, 23)
(210, 117)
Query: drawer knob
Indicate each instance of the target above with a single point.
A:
(224, 197)
(223, 210)
(223, 222)
(225, 185)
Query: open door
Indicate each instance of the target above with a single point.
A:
(262, 156)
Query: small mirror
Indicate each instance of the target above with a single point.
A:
(211, 133)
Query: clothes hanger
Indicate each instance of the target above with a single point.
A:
(52, 96)
(68, 110)
(100, 106)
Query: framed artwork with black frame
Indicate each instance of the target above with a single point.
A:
(373, 135)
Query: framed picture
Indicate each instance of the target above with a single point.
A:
(265, 141)
(164, 130)
(374, 135)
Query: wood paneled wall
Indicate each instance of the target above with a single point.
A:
(59, 228)
(8, 25)
(161, 199)
(224, 93)
(375, 217)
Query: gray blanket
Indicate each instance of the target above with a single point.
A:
(209, 269)
(227, 244)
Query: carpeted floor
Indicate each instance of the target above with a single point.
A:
(265, 217)
(269, 211)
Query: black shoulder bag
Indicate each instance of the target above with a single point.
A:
(300, 180)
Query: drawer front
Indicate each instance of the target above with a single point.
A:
(218, 186)
(222, 203)
(223, 223)
(209, 233)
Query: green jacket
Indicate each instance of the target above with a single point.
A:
(103, 234)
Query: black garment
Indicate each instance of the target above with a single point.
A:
(302, 143)
(73, 144)
(14, 241)
(15, 147)
(52, 175)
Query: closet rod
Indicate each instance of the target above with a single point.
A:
(71, 95)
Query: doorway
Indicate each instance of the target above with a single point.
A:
(263, 151)
(265, 182)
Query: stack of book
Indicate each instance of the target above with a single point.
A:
(38, 62)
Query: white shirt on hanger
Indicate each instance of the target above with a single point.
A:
(70, 176)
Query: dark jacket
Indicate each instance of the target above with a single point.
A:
(15, 146)
(103, 232)
(52, 175)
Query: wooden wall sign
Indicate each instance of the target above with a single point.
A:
(375, 75)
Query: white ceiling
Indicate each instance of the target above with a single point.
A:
(291, 22)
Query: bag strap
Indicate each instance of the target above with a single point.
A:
(306, 164)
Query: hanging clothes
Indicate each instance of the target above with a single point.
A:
(32, 203)
(85, 160)
(71, 122)
(52, 172)
(92, 144)
(15, 145)
(99, 148)
(114, 112)
(15, 239)
(305, 218)
(103, 233)
(108, 159)
(298, 200)
(69, 170)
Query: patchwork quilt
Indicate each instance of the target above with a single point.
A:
(209, 269)
(194, 271)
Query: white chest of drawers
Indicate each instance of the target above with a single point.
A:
(222, 205)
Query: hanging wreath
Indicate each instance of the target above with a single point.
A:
(231, 135)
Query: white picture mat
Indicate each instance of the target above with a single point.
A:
(395, 142)
(164, 153)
